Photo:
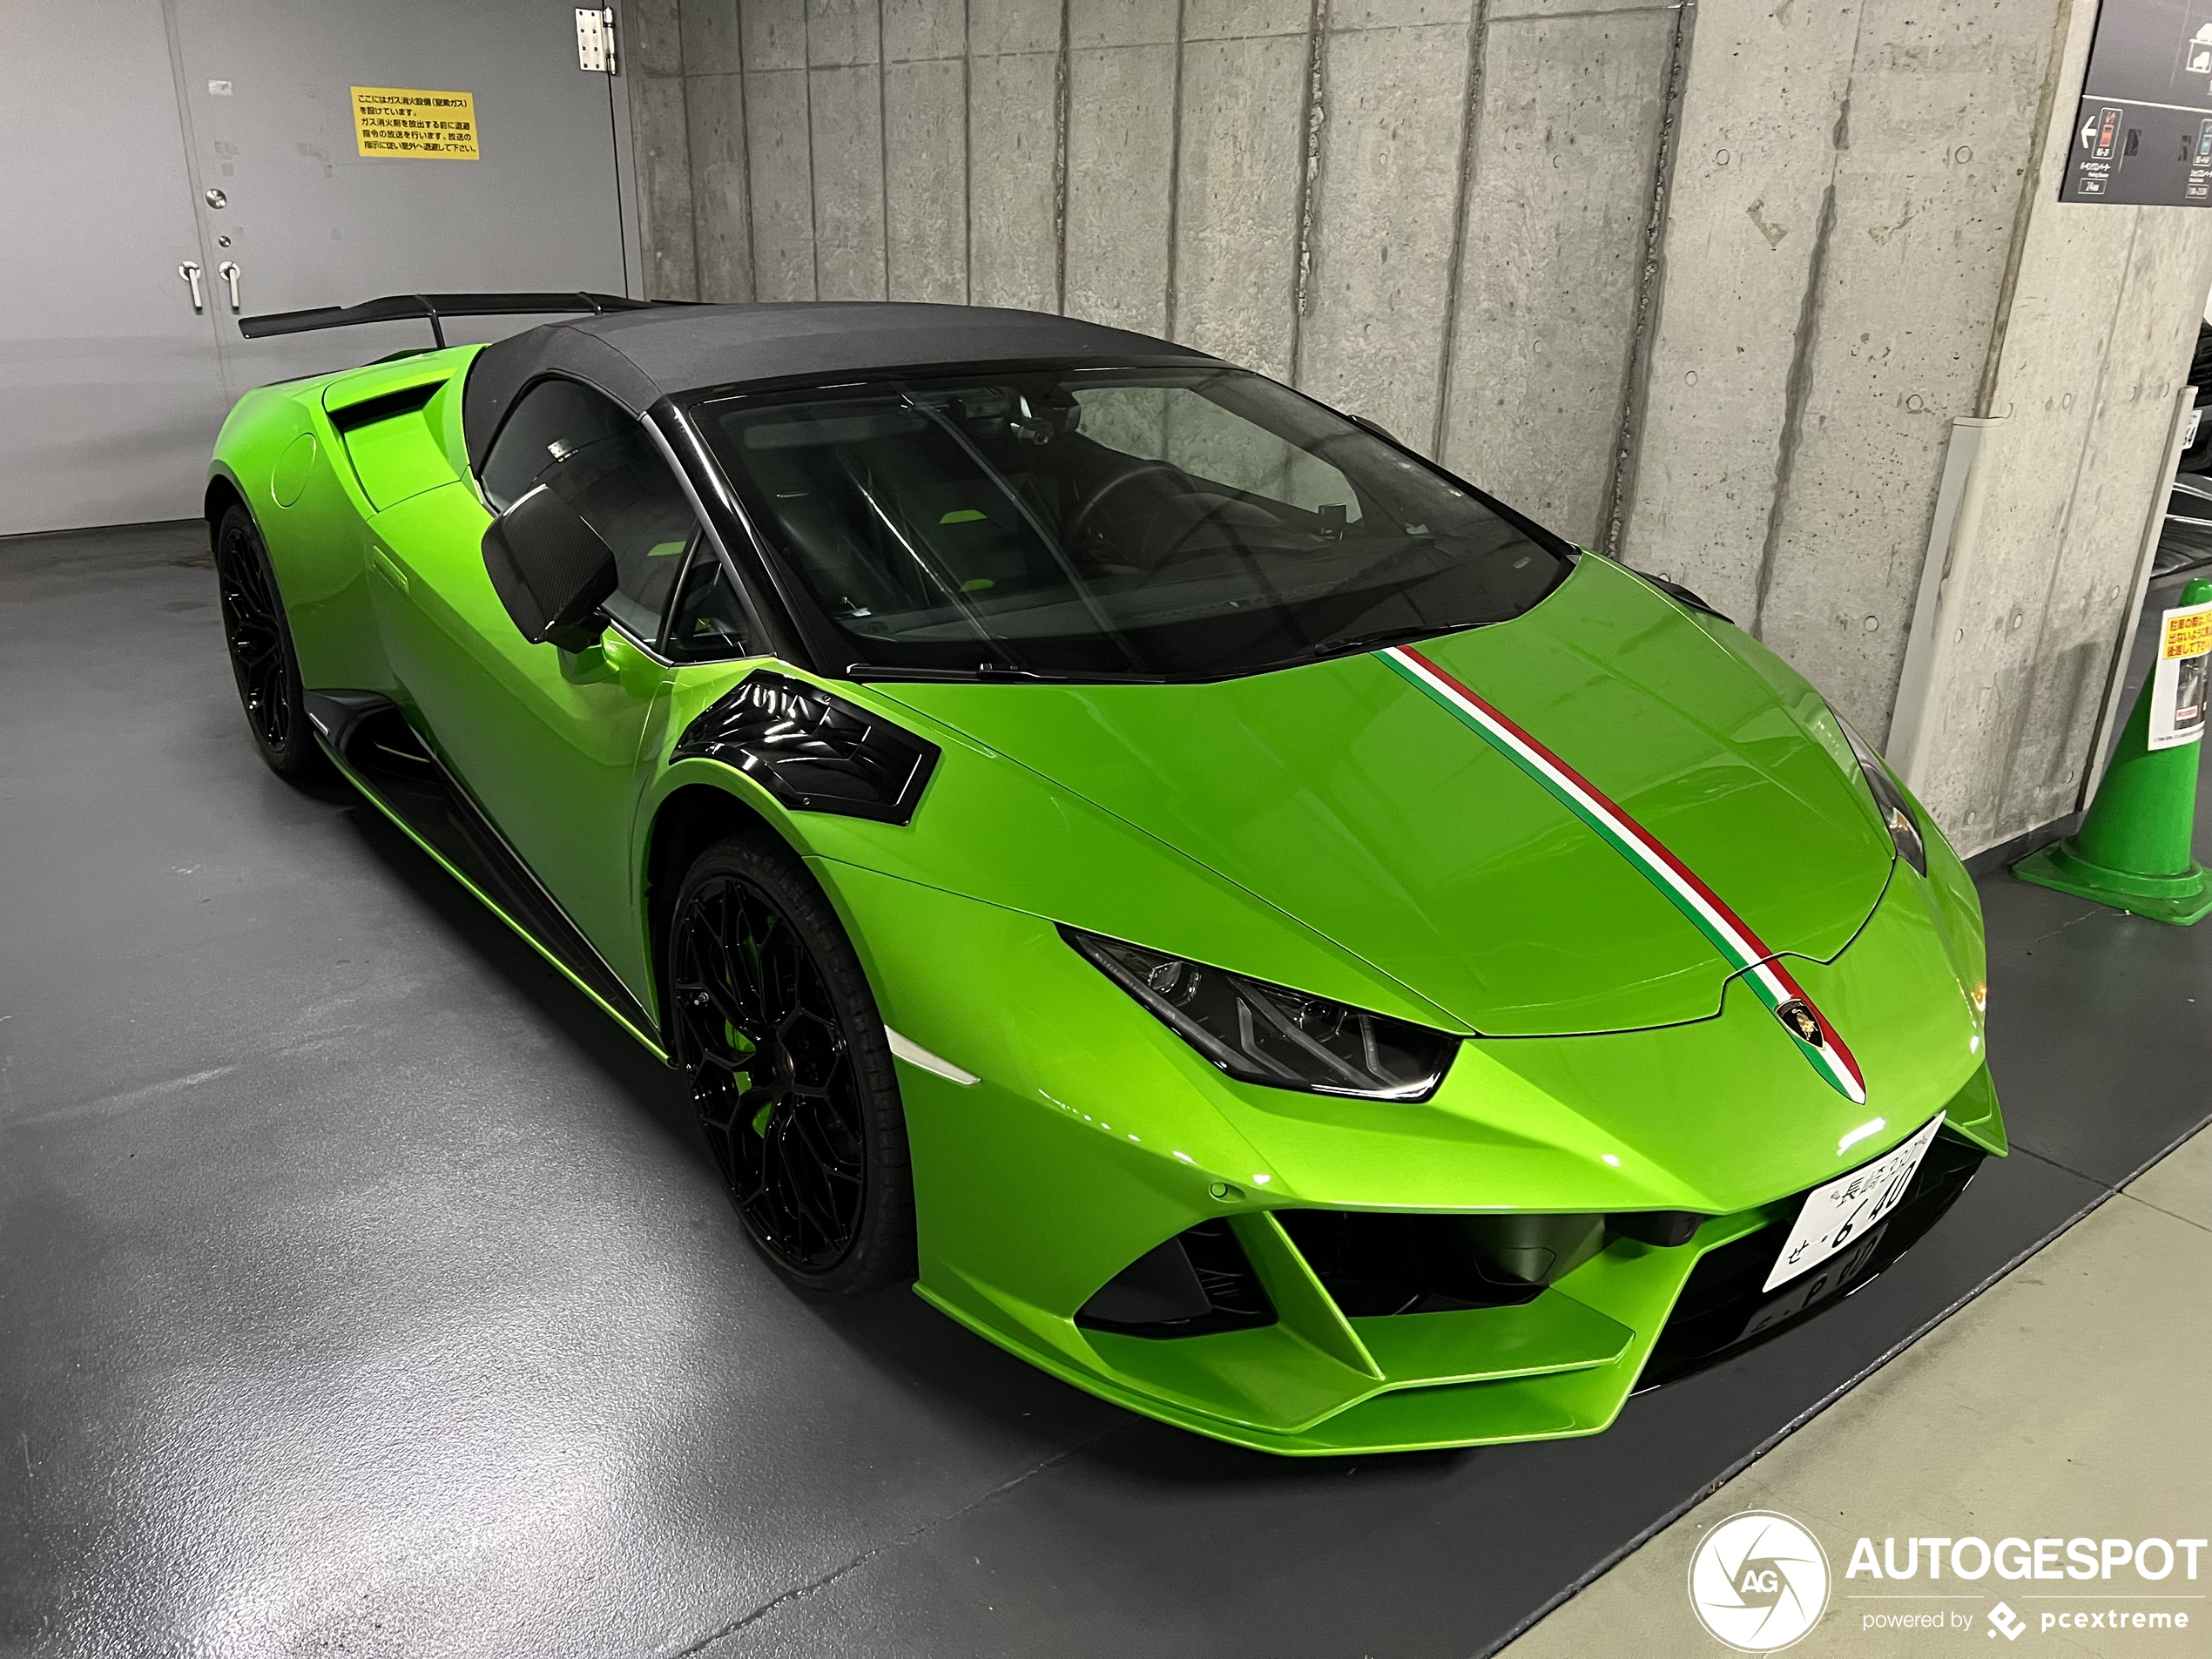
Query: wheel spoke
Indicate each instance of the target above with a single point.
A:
(708, 957)
(254, 633)
(779, 1104)
(806, 1181)
(732, 989)
(816, 1046)
(725, 999)
(834, 1162)
(780, 956)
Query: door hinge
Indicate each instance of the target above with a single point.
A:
(595, 39)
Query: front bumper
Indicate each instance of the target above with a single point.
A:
(1094, 1135)
(1314, 1383)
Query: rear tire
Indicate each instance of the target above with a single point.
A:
(791, 1074)
(263, 661)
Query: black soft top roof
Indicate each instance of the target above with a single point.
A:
(638, 357)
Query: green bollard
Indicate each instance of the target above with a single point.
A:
(2133, 851)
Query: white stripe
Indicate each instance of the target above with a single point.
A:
(1755, 961)
(1644, 857)
(1772, 980)
(1825, 1058)
(915, 1054)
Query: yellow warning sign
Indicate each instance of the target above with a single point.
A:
(2188, 633)
(401, 121)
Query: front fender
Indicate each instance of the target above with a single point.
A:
(990, 829)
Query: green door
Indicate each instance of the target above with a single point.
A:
(550, 743)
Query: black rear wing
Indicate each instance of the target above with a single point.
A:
(398, 307)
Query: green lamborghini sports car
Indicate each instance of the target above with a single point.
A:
(1233, 913)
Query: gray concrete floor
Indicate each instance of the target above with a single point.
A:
(2072, 1399)
(362, 1290)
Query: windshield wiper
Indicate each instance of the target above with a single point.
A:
(1100, 677)
(898, 671)
(988, 672)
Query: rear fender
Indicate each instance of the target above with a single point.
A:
(276, 453)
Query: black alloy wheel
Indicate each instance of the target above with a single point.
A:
(791, 1072)
(260, 639)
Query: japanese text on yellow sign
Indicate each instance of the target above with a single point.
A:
(401, 121)
(2188, 633)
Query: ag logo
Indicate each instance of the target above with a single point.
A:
(1802, 1023)
(1759, 1582)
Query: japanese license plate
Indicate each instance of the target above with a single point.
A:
(1835, 1215)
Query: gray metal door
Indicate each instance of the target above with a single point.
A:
(306, 219)
(109, 390)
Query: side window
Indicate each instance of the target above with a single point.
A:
(708, 623)
(594, 457)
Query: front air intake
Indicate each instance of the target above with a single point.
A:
(1373, 1264)
(1197, 1282)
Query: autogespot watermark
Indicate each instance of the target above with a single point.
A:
(1759, 1582)
(2126, 1564)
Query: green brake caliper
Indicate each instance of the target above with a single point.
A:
(744, 1044)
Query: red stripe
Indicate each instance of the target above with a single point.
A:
(1651, 842)
(1843, 1053)
(1766, 957)
(1835, 1037)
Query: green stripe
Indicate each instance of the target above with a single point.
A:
(1636, 855)
(1759, 989)
(1829, 1066)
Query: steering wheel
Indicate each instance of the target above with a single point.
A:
(1082, 520)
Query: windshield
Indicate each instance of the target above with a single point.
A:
(1176, 523)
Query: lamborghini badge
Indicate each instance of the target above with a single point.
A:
(1803, 1023)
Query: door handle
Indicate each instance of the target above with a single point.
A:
(190, 271)
(228, 271)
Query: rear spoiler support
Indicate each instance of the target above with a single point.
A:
(397, 308)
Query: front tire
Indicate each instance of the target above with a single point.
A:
(263, 661)
(791, 1072)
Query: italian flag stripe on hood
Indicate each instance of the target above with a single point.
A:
(1742, 948)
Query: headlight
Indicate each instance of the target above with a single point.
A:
(1903, 828)
(1259, 1033)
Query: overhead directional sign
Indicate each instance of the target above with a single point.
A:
(2143, 135)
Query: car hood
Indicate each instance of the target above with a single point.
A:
(1350, 795)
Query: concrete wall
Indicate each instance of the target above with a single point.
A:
(1702, 285)
(2097, 330)
(1864, 244)
(1378, 200)
(660, 148)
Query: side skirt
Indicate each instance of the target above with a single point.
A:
(370, 741)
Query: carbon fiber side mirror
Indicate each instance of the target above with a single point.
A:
(550, 570)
